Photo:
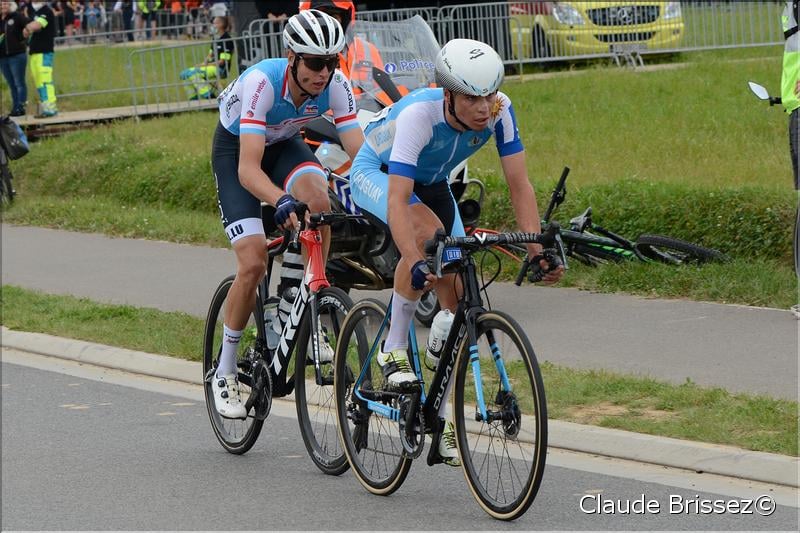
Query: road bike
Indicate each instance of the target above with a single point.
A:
(499, 399)
(584, 240)
(263, 369)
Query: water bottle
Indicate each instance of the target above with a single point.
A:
(440, 329)
(271, 322)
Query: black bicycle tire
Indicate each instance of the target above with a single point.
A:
(651, 247)
(392, 482)
(329, 464)
(6, 187)
(209, 355)
(425, 311)
(496, 320)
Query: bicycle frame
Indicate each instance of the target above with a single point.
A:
(314, 280)
(464, 325)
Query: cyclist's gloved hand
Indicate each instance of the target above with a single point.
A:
(284, 207)
(538, 273)
(419, 275)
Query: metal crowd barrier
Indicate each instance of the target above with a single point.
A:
(522, 33)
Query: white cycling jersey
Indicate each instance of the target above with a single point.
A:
(258, 102)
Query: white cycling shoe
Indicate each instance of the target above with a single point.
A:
(227, 398)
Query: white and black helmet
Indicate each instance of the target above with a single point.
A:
(313, 32)
(469, 67)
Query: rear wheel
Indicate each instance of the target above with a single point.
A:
(675, 251)
(236, 436)
(503, 454)
(316, 407)
(371, 441)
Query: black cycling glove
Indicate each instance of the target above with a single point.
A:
(284, 207)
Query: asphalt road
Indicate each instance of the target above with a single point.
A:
(742, 349)
(88, 448)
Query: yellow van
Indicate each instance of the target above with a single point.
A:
(555, 29)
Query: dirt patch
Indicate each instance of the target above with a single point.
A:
(593, 413)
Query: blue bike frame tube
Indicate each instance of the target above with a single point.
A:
(498, 361)
(475, 361)
(376, 407)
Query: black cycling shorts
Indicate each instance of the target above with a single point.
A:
(283, 162)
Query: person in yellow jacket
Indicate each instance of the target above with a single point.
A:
(148, 12)
(790, 98)
(205, 78)
(42, 32)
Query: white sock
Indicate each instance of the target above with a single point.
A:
(230, 346)
(402, 313)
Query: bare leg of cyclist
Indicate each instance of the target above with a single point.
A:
(250, 268)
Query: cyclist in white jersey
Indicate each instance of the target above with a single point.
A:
(400, 176)
(258, 155)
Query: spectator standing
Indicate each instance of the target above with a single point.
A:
(68, 7)
(193, 24)
(125, 8)
(58, 10)
(175, 17)
(149, 13)
(42, 31)
(13, 56)
(92, 16)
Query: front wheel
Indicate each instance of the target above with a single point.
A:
(371, 439)
(675, 251)
(236, 436)
(502, 445)
(316, 407)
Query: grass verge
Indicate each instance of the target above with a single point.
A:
(600, 398)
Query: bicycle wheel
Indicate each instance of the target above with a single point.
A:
(316, 407)
(236, 436)
(427, 308)
(504, 457)
(6, 187)
(675, 251)
(371, 441)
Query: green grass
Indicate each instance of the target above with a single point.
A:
(638, 404)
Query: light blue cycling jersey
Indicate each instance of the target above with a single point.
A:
(413, 139)
(259, 102)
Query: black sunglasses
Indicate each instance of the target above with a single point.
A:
(317, 63)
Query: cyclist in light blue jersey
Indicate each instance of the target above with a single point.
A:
(400, 176)
(258, 155)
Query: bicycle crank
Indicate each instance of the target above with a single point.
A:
(261, 394)
(412, 425)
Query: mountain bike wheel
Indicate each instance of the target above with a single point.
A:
(316, 407)
(371, 441)
(236, 436)
(427, 308)
(675, 251)
(503, 458)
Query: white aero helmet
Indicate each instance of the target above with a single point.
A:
(469, 67)
(313, 32)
